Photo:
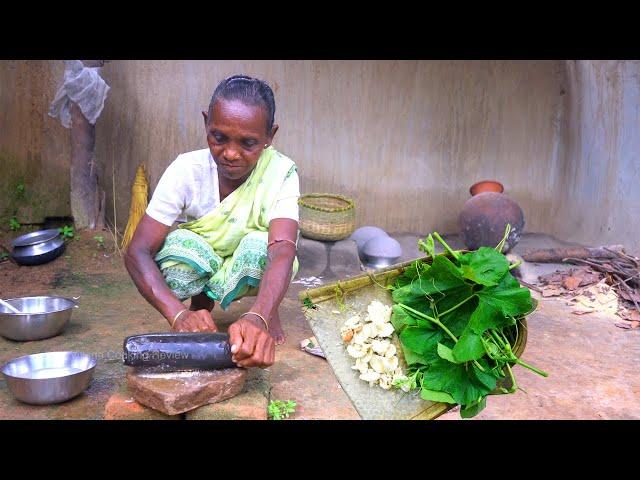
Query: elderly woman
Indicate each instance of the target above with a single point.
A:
(238, 199)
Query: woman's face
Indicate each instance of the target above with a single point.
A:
(237, 134)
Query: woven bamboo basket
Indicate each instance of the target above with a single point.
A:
(325, 216)
(333, 304)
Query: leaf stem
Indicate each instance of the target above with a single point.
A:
(512, 357)
(446, 247)
(514, 385)
(530, 367)
(500, 245)
(440, 324)
(458, 305)
(431, 319)
(515, 265)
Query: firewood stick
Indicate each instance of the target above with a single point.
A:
(555, 255)
(598, 267)
(631, 292)
(603, 269)
(635, 260)
(627, 279)
(532, 287)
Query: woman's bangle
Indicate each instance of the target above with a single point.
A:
(272, 242)
(257, 315)
(175, 319)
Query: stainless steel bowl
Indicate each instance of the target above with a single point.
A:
(41, 317)
(375, 263)
(38, 253)
(46, 378)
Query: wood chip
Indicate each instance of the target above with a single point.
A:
(571, 283)
(589, 278)
(633, 315)
(551, 291)
(552, 278)
(582, 311)
(626, 326)
(624, 293)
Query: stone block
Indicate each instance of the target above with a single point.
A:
(122, 406)
(251, 404)
(178, 392)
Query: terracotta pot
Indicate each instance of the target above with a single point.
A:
(485, 216)
(486, 186)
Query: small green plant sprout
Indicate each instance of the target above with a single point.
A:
(279, 409)
(100, 240)
(20, 190)
(3, 256)
(307, 303)
(67, 232)
(14, 224)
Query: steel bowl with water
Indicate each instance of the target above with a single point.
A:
(51, 377)
(41, 317)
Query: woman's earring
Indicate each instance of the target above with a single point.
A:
(266, 145)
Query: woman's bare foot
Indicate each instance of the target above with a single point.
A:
(275, 328)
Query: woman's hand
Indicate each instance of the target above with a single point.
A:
(251, 344)
(198, 321)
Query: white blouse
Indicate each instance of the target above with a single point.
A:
(188, 189)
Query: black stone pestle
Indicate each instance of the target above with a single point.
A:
(179, 351)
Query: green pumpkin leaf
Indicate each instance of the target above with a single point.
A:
(421, 340)
(489, 378)
(459, 380)
(484, 266)
(407, 296)
(413, 358)
(434, 396)
(473, 409)
(446, 353)
(442, 276)
(508, 297)
(412, 272)
(458, 320)
(469, 347)
(400, 318)
(487, 316)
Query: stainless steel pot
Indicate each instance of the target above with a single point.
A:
(41, 317)
(37, 248)
(34, 238)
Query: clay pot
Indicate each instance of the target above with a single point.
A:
(485, 216)
(486, 186)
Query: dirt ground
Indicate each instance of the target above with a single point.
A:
(89, 258)
(591, 362)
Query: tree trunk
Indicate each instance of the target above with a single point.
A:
(87, 202)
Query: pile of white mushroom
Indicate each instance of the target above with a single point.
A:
(369, 342)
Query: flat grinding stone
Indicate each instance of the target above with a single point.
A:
(173, 393)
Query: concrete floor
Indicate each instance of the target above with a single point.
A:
(590, 361)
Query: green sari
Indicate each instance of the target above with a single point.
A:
(224, 253)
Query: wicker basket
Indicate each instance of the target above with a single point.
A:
(324, 216)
